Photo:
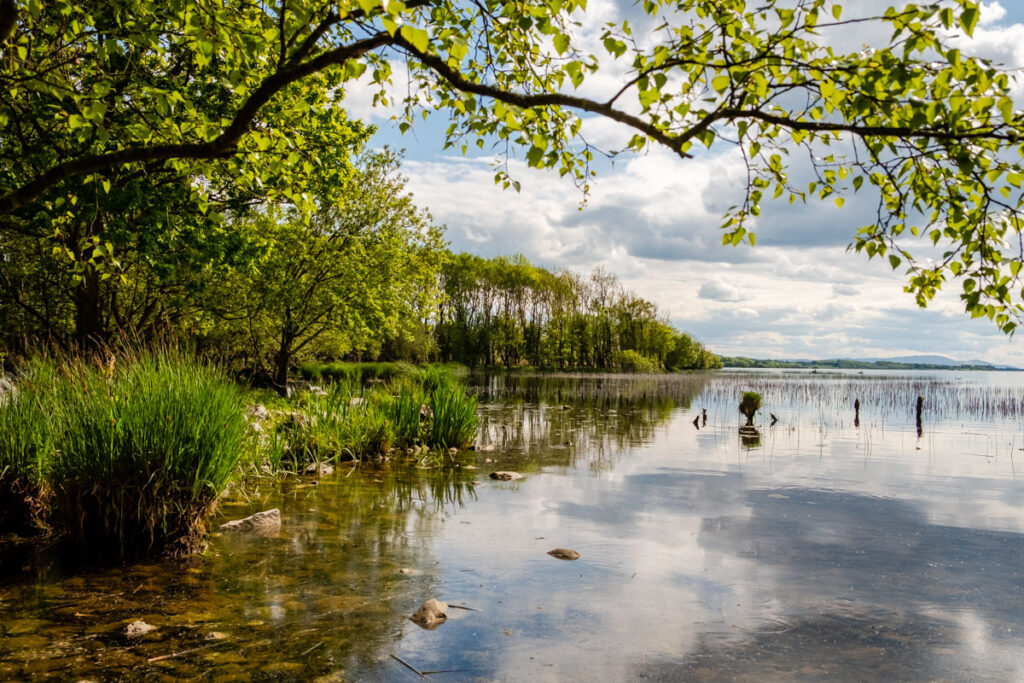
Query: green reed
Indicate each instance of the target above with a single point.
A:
(454, 421)
(143, 452)
(26, 450)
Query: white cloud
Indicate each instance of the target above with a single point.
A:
(717, 290)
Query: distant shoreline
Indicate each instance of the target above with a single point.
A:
(840, 364)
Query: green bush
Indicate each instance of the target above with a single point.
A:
(631, 361)
(749, 405)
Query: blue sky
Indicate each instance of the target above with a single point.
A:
(653, 220)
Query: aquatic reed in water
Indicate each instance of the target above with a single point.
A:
(454, 421)
(144, 451)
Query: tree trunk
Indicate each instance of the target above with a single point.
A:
(89, 331)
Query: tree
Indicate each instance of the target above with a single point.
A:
(933, 132)
(361, 270)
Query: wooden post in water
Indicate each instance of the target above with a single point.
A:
(856, 413)
(920, 405)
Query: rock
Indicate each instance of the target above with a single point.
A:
(295, 420)
(453, 451)
(564, 554)
(355, 401)
(506, 476)
(430, 614)
(257, 411)
(138, 628)
(317, 391)
(320, 469)
(408, 572)
(264, 523)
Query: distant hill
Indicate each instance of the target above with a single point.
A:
(928, 360)
(897, 363)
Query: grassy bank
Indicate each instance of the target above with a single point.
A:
(126, 459)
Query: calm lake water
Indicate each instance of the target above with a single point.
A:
(819, 550)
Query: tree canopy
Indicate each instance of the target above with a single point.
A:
(237, 88)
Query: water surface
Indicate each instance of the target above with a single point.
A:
(820, 550)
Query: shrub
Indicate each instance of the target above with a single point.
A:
(749, 405)
(631, 361)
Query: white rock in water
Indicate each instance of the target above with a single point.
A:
(264, 523)
(431, 613)
(320, 469)
(506, 476)
(138, 628)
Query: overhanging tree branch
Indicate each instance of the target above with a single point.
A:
(221, 146)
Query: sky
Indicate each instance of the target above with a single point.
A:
(652, 219)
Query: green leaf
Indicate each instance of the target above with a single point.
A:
(561, 43)
(419, 38)
(721, 83)
(1006, 109)
(969, 19)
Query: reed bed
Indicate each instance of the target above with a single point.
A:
(888, 397)
(129, 458)
(353, 422)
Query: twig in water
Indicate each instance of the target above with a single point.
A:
(468, 609)
(311, 649)
(408, 666)
(183, 652)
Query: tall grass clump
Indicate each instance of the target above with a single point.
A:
(339, 425)
(26, 449)
(144, 451)
(454, 419)
(404, 410)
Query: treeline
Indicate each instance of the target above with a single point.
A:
(508, 312)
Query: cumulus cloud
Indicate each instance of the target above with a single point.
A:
(717, 290)
(844, 290)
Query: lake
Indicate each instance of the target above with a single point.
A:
(819, 549)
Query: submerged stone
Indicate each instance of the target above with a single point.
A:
(138, 628)
(321, 469)
(262, 523)
(564, 554)
(430, 614)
